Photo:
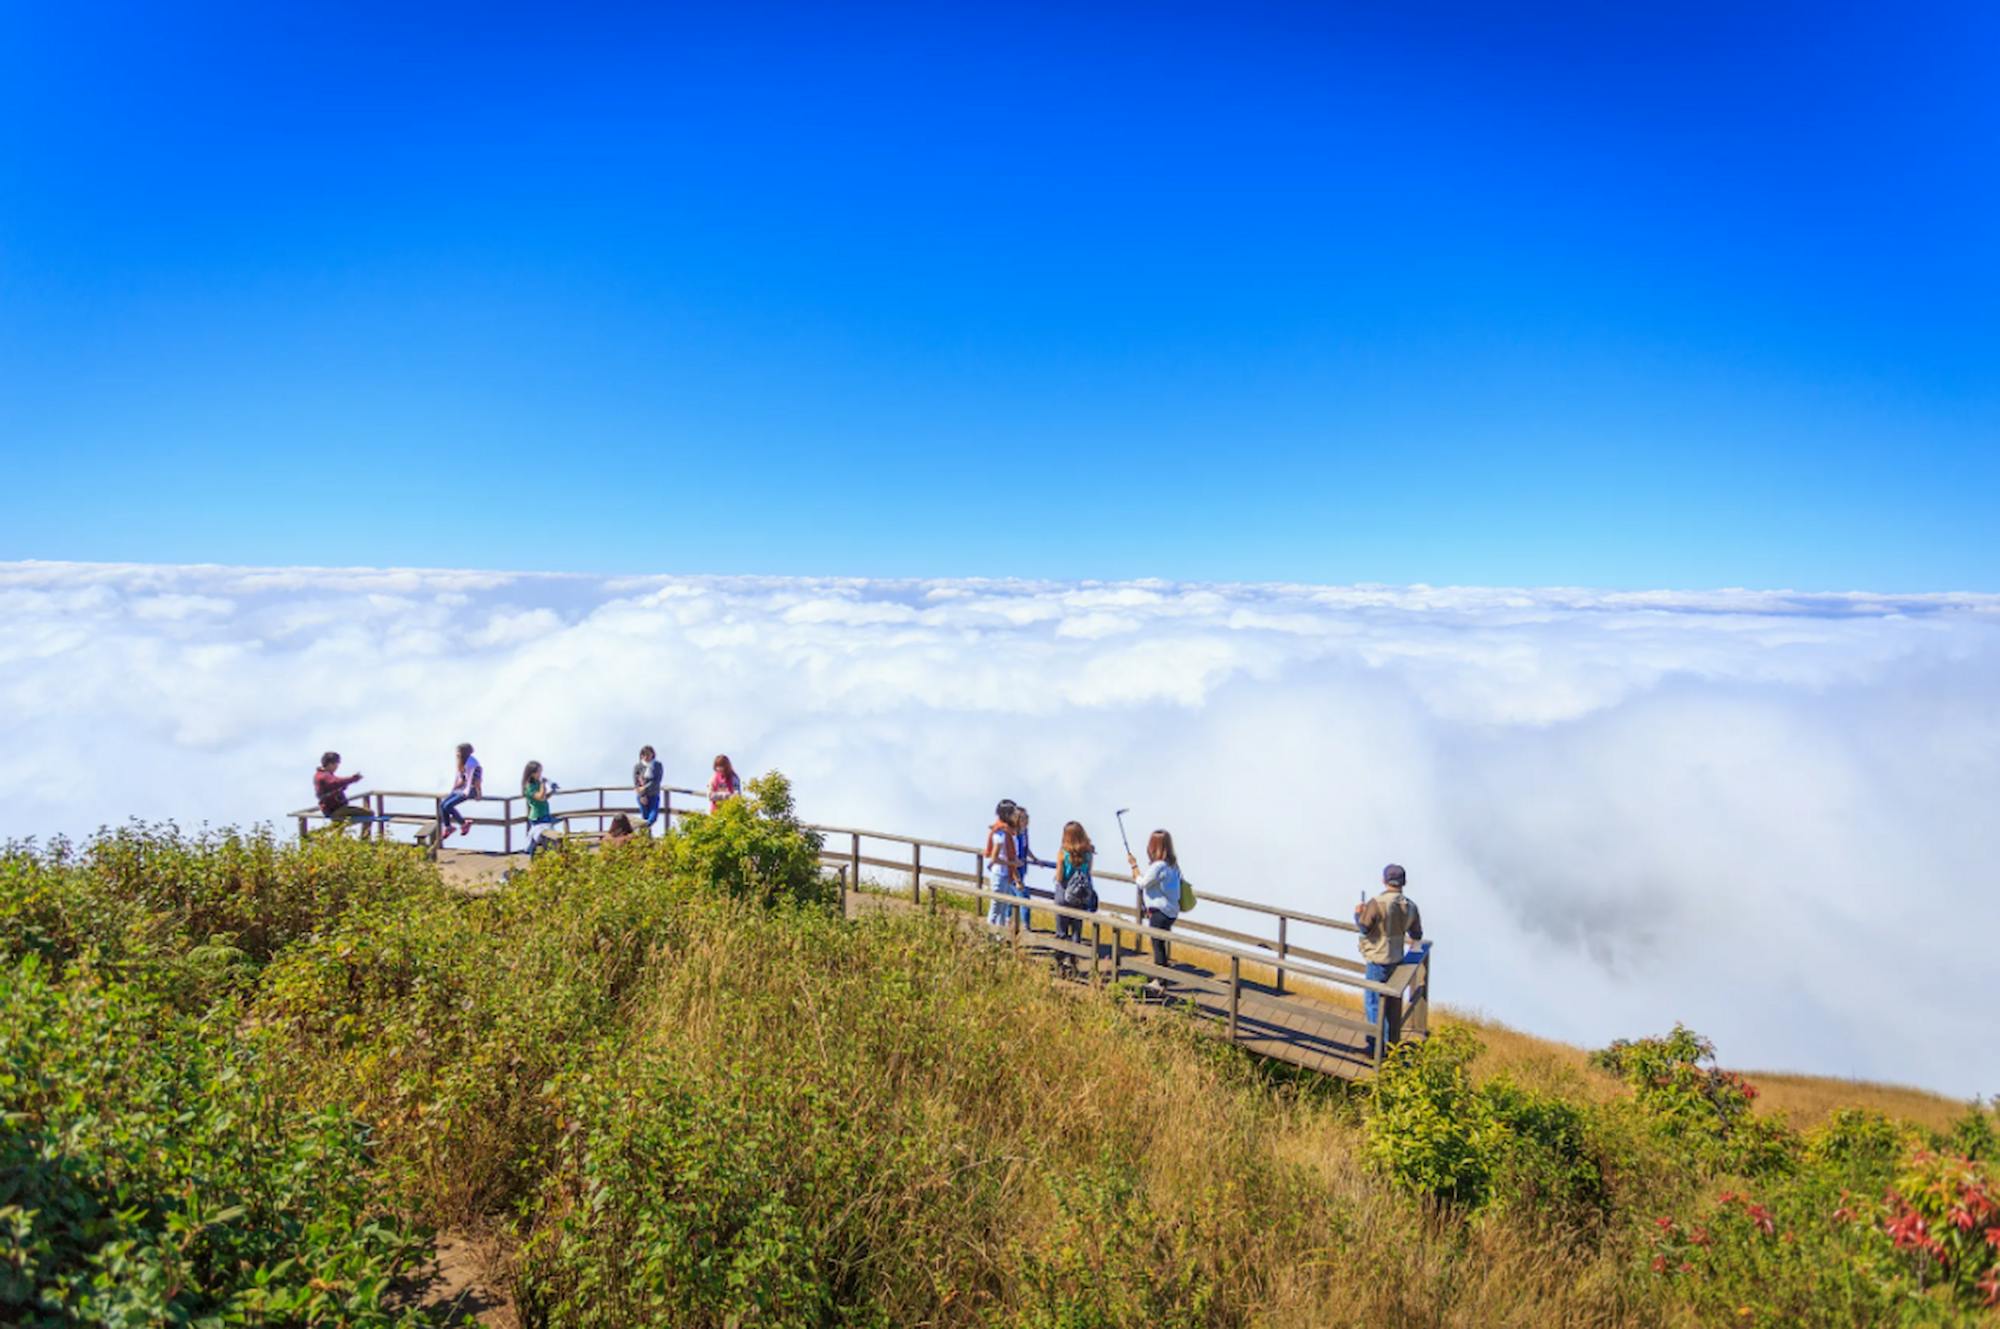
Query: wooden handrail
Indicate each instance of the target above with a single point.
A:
(1162, 934)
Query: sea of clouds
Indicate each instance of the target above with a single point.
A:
(1774, 816)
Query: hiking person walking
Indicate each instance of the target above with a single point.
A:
(1074, 887)
(1159, 890)
(724, 785)
(330, 792)
(465, 787)
(1385, 922)
(535, 790)
(647, 776)
(1003, 870)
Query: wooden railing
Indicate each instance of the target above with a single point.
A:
(1404, 994)
(1280, 950)
(596, 805)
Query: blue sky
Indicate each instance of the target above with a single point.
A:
(1690, 295)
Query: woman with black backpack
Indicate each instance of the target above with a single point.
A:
(1074, 887)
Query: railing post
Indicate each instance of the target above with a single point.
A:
(437, 827)
(855, 856)
(507, 825)
(1096, 941)
(1235, 986)
(916, 872)
(381, 817)
(302, 830)
(601, 823)
(666, 810)
(934, 897)
(1117, 948)
(1281, 954)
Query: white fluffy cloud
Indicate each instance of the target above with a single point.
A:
(1768, 814)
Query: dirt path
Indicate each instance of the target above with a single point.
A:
(461, 1287)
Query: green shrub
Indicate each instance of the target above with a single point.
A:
(1109, 1261)
(1857, 1146)
(1687, 1098)
(1972, 1135)
(1489, 1146)
(753, 847)
(148, 894)
(152, 1171)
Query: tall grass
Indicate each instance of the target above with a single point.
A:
(685, 1091)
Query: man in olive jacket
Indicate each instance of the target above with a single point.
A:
(1386, 922)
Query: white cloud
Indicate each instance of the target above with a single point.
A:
(1769, 814)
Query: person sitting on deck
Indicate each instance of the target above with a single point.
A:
(1385, 922)
(330, 791)
(724, 785)
(465, 786)
(535, 791)
(1160, 891)
(621, 830)
(647, 778)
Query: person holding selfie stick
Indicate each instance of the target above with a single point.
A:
(1159, 888)
(1385, 922)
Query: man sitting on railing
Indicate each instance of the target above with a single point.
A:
(330, 791)
(1385, 922)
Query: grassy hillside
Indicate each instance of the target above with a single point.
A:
(245, 1083)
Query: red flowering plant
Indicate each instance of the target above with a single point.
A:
(1943, 1217)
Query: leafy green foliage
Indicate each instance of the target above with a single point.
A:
(753, 847)
(1108, 1262)
(1688, 1099)
(685, 1090)
(1479, 1146)
(152, 1172)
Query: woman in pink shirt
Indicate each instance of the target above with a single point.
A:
(723, 785)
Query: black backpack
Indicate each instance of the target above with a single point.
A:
(1078, 890)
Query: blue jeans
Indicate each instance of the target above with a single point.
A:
(1371, 1002)
(448, 813)
(1002, 915)
(649, 808)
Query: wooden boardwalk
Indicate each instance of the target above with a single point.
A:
(1265, 991)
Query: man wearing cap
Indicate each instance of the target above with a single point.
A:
(1385, 922)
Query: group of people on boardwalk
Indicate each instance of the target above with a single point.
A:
(1009, 855)
(1389, 923)
(468, 785)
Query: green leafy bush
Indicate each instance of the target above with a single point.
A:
(152, 1172)
(754, 847)
(149, 894)
(1479, 1146)
(1687, 1098)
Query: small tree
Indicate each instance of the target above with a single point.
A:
(1688, 1098)
(753, 847)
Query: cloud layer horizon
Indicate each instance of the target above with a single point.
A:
(1770, 815)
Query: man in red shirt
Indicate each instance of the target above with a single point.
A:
(331, 791)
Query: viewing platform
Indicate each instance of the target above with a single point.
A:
(1261, 976)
